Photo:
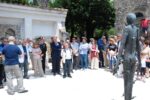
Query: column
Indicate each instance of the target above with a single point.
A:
(28, 27)
(58, 27)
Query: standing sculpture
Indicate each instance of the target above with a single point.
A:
(129, 52)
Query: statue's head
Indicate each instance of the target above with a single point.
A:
(131, 18)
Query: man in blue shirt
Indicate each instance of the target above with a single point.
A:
(11, 53)
(101, 49)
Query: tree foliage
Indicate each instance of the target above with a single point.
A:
(84, 16)
(23, 2)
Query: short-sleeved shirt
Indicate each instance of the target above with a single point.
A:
(11, 53)
(112, 47)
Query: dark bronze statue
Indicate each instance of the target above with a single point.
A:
(129, 52)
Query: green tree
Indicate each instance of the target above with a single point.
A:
(41, 3)
(23, 2)
(84, 16)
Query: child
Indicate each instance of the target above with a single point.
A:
(36, 51)
(66, 54)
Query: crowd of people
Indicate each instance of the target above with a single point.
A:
(68, 55)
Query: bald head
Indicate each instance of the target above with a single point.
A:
(11, 39)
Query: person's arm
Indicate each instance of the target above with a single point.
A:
(19, 51)
(3, 51)
(34, 52)
(39, 52)
(45, 47)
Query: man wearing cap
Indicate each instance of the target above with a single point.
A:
(11, 53)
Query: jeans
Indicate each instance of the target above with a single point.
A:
(24, 67)
(84, 61)
(112, 62)
(67, 66)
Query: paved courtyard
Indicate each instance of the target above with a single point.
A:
(84, 85)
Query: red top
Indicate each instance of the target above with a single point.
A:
(144, 23)
(94, 53)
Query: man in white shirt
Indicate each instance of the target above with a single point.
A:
(75, 48)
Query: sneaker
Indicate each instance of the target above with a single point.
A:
(59, 73)
(26, 77)
(69, 76)
(64, 76)
(23, 91)
(54, 74)
(10, 92)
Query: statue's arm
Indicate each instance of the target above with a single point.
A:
(123, 42)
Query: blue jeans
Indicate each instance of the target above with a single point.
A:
(112, 62)
(84, 61)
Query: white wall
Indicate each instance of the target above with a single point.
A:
(34, 22)
(11, 21)
(43, 28)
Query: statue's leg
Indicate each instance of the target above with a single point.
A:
(129, 69)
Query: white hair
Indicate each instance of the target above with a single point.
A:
(11, 38)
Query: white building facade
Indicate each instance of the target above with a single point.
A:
(28, 22)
